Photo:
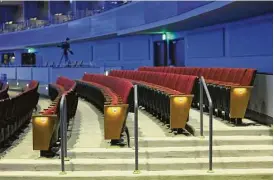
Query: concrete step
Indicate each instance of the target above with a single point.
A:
(198, 141)
(240, 131)
(218, 174)
(157, 164)
(172, 152)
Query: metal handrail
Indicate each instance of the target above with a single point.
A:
(63, 123)
(203, 87)
(136, 145)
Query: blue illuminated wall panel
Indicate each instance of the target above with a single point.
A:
(103, 24)
(129, 52)
(24, 73)
(185, 6)
(136, 50)
(82, 52)
(105, 51)
(131, 16)
(10, 71)
(245, 43)
(252, 39)
(50, 54)
(80, 28)
(206, 44)
(154, 10)
(41, 74)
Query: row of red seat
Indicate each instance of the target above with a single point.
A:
(106, 92)
(172, 83)
(117, 89)
(225, 76)
(4, 91)
(63, 86)
(15, 112)
(220, 82)
(155, 88)
(66, 83)
(54, 106)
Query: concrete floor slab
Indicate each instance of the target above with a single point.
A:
(87, 130)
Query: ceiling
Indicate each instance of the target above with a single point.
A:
(231, 12)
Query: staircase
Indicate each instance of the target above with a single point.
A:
(239, 153)
(170, 157)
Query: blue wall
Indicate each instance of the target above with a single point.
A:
(245, 43)
(8, 13)
(129, 52)
(107, 23)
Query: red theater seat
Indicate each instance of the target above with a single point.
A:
(113, 90)
(16, 111)
(220, 81)
(63, 86)
(156, 88)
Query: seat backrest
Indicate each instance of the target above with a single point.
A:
(211, 73)
(182, 83)
(218, 73)
(205, 73)
(248, 78)
(225, 74)
(173, 79)
(239, 75)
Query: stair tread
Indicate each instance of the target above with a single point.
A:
(141, 160)
(220, 172)
(165, 149)
(193, 138)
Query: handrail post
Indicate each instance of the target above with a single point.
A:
(65, 126)
(62, 134)
(201, 108)
(136, 171)
(210, 134)
(210, 155)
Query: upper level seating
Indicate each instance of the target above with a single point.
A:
(16, 111)
(63, 86)
(4, 91)
(113, 96)
(221, 83)
(155, 89)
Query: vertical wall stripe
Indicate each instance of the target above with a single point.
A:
(226, 42)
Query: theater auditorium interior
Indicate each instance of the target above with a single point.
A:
(123, 90)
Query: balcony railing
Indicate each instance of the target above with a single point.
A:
(55, 19)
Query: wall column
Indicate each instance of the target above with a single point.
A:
(73, 7)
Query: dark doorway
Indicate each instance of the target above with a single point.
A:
(28, 59)
(7, 58)
(160, 53)
(177, 52)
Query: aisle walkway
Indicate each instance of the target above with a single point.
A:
(88, 127)
(87, 130)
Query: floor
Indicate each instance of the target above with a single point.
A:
(86, 130)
